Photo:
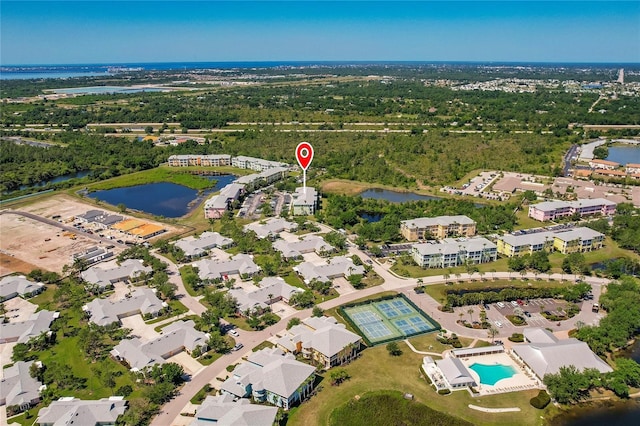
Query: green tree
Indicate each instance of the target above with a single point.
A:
(394, 349)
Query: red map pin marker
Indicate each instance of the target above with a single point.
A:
(304, 154)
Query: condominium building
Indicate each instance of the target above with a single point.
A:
(449, 254)
(603, 164)
(257, 164)
(216, 206)
(633, 168)
(305, 201)
(214, 160)
(437, 227)
(551, 210)
(565, 241)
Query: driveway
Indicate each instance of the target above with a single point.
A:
(139, 328)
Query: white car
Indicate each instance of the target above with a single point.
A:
(500, 305)
(514, 303)
(498, 324)
(234, 333)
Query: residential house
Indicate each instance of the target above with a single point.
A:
(18, 390)
(129, 269)
(241, 264)
(551, 210)
(269, 375)
(323, 340)
(337, 267)
(23, 331)
(451, 253)
(271, 227)
(546, 354)
(307, 244)
(437, 227)
(305, 201)
(176, 337)
(70, 411)
(18, 285)
(224, 410)
(142, 301)
(198, 246)
(271, 290)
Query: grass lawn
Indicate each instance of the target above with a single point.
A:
(414, 271)
(377, 370)
(209, 358)
(438, 291)
(159, 174)
(429, 343)
(177, 308)
(372, 279)
(482, 344)
(265, 344)
(524, 221)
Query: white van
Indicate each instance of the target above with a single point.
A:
(500, 305)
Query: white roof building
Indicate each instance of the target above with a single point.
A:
(176, 337)
(305, 201)
(545, 354)
(455, 374)
(104, 278)
(18, 387)
(143, 301)
(18, 285)
(198, 246)
(214, 269)
(70, 411)
(275, 287)
(22, 331)
(307, 244)
(257, 164)
(323, 339)
(340, 266)
(269, 375)
(222, 410)
(271, 227)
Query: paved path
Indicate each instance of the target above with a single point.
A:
(191, 302)
(420, 352)
(494, 410)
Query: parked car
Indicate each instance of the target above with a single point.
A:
(498, 324)
(487, 306)
(514, 303)
(234, 333)
(520, 302)
(238, 346)
(527, 314)
(500, 305)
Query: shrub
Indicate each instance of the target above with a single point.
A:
(541, 400)
(517, 337)
(444, 392)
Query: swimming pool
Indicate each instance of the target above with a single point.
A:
(492, 374)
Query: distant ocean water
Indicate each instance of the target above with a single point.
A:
(13, 72)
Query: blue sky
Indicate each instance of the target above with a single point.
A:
(55, 32)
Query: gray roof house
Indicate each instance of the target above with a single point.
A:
(222, 410)
(214, 269)
(275, 287)
(322, 339)
(142, 301)
(198, 247)
(104, 278)
(18, 285)
(545, 354)
(22, 331)
(18, 388)
(72, 411)
(271, 227)
(307, 244)
(340, 266)
(176, 337)
(270, 375)
(455, 374)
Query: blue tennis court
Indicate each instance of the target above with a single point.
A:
(390, 319)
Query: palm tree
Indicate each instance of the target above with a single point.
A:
(270, 295)
(461, 314)
(481, 273)
(492, 332)
(446, 277)
(470, 312)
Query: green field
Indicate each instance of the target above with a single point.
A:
(159, 174)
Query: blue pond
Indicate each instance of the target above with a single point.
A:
(160, 199)
(624, 154)
(492, 374)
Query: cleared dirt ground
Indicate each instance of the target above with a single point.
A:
(26, 244)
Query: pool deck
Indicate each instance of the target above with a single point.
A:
(520, 381)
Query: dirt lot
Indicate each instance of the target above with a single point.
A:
(26, 242)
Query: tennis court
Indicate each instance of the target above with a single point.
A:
(391, 319)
